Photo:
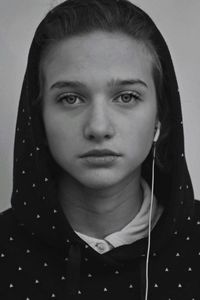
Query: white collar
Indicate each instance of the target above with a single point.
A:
(133, 231)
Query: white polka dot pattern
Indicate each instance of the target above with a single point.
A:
(44, 259)
(171, 270)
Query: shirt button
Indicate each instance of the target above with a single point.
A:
(101, 247)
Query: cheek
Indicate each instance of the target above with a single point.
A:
(139, 135)
(60, 134)
(146, 140)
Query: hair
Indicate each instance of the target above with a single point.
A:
(79, 17)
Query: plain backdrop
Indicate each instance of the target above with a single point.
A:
(179, 22)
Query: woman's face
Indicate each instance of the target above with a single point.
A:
(99, 94)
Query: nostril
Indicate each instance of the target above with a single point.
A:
(96, 137)
(107, 136)
(91, 137)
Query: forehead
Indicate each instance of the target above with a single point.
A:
(97, 56)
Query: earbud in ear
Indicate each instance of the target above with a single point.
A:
(156, 136)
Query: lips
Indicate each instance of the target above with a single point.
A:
(100, 153)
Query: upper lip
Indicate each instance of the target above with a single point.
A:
(98, 152)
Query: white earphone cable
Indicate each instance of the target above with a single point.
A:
(149, 229)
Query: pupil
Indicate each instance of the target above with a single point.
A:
(71, 99)
(126, 98)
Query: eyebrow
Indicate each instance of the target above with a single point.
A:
(63, 84)
(120, 82)
(111, 83)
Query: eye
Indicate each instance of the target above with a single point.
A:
(129, 97)
(69, 99)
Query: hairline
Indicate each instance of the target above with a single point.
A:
(146, 45)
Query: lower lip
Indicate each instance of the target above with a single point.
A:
(100, 160)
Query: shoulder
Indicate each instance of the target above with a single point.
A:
(197, 206)
(6, 214)
(7, 225)
(197, 213)
(194, 228)
(6, 220)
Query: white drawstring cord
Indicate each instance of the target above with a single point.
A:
(149, 229)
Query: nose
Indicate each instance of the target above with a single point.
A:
(98, 126)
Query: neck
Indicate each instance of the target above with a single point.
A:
(100, 212)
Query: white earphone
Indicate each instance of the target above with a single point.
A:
(156, 136)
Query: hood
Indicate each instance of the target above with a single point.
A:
(34, 196)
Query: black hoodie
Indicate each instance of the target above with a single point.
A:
(42, 258)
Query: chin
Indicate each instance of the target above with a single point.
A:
(98, 182)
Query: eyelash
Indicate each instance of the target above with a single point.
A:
(134, 95)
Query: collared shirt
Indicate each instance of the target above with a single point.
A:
(133, 231)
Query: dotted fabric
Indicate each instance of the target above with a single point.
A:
(40, 255)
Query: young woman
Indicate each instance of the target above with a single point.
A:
(102, 202)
